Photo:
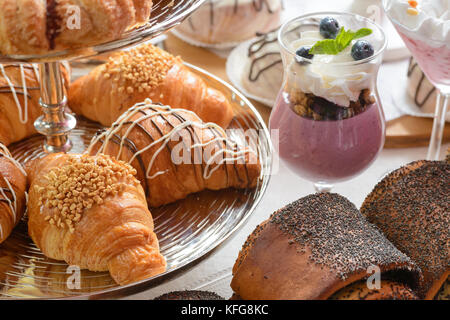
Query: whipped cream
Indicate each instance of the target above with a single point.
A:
(431, 25)
(325, 78)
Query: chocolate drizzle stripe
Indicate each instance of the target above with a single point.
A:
(412, 67)
(260, 72)
(194, 138)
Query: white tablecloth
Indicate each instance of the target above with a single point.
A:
(214, 273)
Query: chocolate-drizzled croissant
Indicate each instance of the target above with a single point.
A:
(13, 183)
(90, 211)
(176, 154)
(19, 100)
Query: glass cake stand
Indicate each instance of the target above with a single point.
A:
(187, 230)
(55, 123)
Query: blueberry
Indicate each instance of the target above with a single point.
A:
(304, 52)
(362, 49)
(329, 28)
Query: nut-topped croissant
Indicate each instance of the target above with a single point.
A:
(36, 27)
(132, 76)
(19, 100)
(13, 183)
(175, 153)
(90, 211)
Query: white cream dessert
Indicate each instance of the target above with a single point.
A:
(426, 20)
(230, 21)
(336, 78)
(263, 71)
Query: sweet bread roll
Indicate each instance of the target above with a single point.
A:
(411, 207)
(132, 76)
(175, 153)
(36, 27)
(312, 248)
(190, 295)
(19, 100)
(13, 183)
(444, 292)
(91, 212)
(388, 290)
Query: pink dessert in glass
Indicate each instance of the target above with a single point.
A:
(328, 119)
(424, 26)
(435, 62)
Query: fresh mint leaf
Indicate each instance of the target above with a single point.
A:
(342, 41)
(364, 32)
(328, 46)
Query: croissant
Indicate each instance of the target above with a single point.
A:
(315, 247)
(90, 211)
(411, 207)
(35, 26)
(19, 100)
(176, 154)
(145, 72)
(13, 183)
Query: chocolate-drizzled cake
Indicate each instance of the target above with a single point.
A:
(230, 21)
(314, 247)
(263, 71)
(411, 207)
(420, 89)
(190, 295)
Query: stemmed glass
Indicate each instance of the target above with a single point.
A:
(327, 123)
(432, 55)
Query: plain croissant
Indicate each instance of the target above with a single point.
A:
(36, 26)
(132, 76)
(13, 183)
(176, 154)
(19, 100)
(91, 212)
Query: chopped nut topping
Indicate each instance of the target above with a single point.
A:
(142, 68)
(80, 184)
(310, 106)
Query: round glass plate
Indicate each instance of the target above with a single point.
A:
(165, 15)
(187, 230)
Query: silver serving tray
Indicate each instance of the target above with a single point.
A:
(187, 230)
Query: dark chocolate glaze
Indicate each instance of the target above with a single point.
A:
(411, 68)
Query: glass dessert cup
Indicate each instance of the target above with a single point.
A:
(433, 57)
(318, 137)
